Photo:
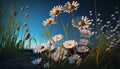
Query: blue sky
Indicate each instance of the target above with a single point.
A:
(39, 11)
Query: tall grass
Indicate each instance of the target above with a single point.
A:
(10, 32)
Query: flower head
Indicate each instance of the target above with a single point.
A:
(81, 23)
(69, 7)
(83, 42)
(49, 22)
(75, 58)
(59, 54)
(58, 37)
(50, 44)
(56, 11)
(40, 49)
(70, 44)
(83, 49)
(86, 33)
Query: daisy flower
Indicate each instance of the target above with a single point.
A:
(56, 10)
(83, 42)
(83, 49)
(75, 58)
(49, 22)
(50, 41)
(59, 54)
(37, 61)
(81, 22)
(50, 44)
(58, 37)
(69, 7)
(86, 33)
(40, 49)
(70, 44)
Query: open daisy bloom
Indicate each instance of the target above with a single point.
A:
(83, 42)
(86, 33)
(81, 22)
(70, 44)
(59, 54)
(56, 11)
(75, 58)
(50, 44)
(49, 22)
(69, 7)
(40, 48)
(58, 37)
(83, 49)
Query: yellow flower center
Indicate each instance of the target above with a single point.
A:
(69, 44)
(70, 7)
(55, 12)
(80, 23)
(57, 38)
(83, 42)
(86, 33)
(41, 47)
(49, 22)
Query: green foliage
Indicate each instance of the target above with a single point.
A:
(9, 34)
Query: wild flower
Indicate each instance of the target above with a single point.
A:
(81, 22)
(83, 49)
(56, 11)
(70, 44)
(40, 49)
(69, 7)
(85, 33)
(59, 54)
(48, 22)
(83, 42)
(57, 37)
(75, 59)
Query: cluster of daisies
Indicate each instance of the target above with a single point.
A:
(56, 46)
(68, 7)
